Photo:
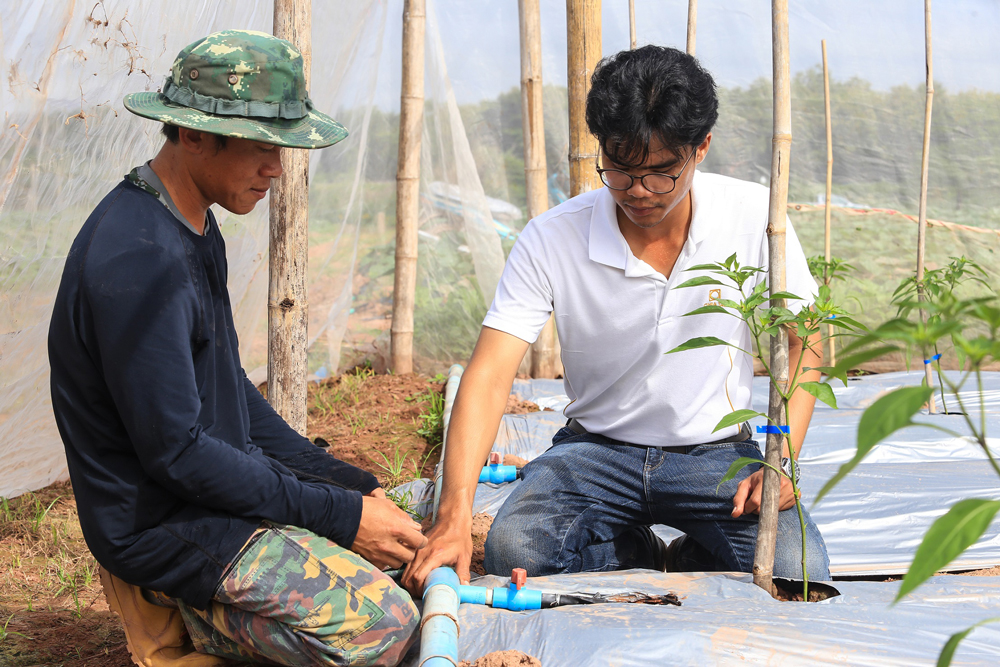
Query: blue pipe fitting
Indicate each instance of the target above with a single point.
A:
(497, 474)
(516, 600)
(442, 575)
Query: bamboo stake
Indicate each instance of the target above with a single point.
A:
(411, 122)
(583, 27)
(631, 24)
(829, 194)
(781, 140)
(924, 169)
(288, 252)
(692, 25)
(543, 351)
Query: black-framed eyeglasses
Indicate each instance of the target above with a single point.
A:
(660, 184)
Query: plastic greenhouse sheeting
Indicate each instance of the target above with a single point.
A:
(65, 140)
(874, 519)
(725, 620)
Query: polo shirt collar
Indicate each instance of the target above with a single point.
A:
(608, 246)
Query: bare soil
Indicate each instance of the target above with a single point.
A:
(504, 659)
(372, 421)
(481, 524)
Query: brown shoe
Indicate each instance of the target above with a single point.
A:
(156, 635)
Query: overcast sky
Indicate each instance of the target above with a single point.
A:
(881, 41)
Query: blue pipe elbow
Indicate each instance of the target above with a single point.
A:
(497, 474)
(442, 575)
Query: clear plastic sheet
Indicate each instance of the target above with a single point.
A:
(65, 140)
(874, 519)
(725, 620)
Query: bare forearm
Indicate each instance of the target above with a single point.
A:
(800, 406)
(475, 418)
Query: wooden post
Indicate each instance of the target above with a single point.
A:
(631, 24)
(924, 169)
(288, 253)
(411, 123)
(781, 141)
(583, 46)
(692, 25)
(829, 193)
(543, 351)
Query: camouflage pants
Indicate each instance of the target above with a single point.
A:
(292, 597)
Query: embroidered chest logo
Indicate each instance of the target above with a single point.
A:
(713, 297)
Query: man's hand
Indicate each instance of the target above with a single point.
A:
(447, 544)
(387, 537)
(377, 493)
(747, 498)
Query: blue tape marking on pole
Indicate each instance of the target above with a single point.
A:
(832, 317)
(934, 358)
(771, 428)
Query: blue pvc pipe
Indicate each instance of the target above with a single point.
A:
(497, 474)
(439, 628)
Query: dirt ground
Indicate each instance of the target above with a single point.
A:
(503, 659)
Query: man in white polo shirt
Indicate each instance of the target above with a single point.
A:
(639, 447)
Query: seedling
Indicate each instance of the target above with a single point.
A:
(763, 320)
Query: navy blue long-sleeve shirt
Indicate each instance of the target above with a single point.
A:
(174, 455)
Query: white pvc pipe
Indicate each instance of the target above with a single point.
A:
(450, 390)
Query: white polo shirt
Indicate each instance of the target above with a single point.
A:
(616, 316)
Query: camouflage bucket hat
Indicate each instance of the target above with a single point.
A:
(240, 83)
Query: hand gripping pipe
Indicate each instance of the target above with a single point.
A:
(450, 389)
(439, 625)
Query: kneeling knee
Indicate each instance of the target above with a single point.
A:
(386, 641)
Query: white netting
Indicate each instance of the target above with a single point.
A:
(66, 140)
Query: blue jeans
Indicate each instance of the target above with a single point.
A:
(585, 506)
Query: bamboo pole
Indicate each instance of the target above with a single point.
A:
(692, 25)
(543, 351)
(411, 122)
(829, 193)
(288, 252)
(631, 24)
(924, 169)
(781, 140)
(583, 28)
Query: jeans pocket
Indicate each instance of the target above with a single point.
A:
(733, 450)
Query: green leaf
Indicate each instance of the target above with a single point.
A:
(737, 465)
(948, 652)
(785, 295)
(883, 418)
(850, 361)
(822, 391)
(695, 343)
(699, 280)
(949, 536)
(707, 309)
(706, 267)
(737, 417)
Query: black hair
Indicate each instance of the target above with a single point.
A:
(173, 135)
(653, 91)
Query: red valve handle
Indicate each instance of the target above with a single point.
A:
(495, 458)
(518, 577)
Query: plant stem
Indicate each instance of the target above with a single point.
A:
(944, 405)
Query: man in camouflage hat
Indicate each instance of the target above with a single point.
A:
(190, 487)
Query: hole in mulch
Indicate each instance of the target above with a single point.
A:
(790, 590)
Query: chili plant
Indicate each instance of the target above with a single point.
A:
(764, 321)
(973, 326)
